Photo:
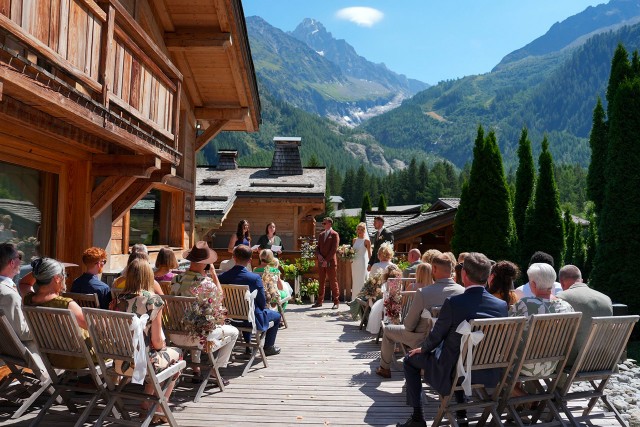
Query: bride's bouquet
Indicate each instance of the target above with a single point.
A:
(393, 302)
(346, 252)
(206, 312)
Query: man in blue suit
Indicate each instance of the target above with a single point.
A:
(474, 303)
(240, 275)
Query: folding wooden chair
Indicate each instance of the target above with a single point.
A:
(596, 361)
(18, 358)
(56, 332)
(83, 300)
(407, 299)
(366, 308)
(165, 285)
(172, 315)
(112, 334)
(239, 304)
(549, 338)
(496, 350)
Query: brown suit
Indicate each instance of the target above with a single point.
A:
(326, 251)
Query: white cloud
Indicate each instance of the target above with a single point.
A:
(362, 16)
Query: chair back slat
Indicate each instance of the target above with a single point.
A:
(173, 313)
(10, 345)
(83, 300)
(234, 301)
(111, 333)
(497, 347)
(550, 337)
(55, 331)
(165, 285)
(407, 299)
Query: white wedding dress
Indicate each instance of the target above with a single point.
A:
(359, 272)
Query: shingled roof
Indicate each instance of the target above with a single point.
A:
(406, 225)
(286, 158)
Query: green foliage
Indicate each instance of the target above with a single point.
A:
(525, 181)
(345, 226)
(365, 207)
(382, 204)
(598, 142)
(313, 161)
(543, 230)
(620, 71)
(570, 240)
(591, 250)
(579, 250)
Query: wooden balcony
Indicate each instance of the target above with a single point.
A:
(99, 57)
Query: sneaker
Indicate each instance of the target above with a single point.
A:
(271, 351)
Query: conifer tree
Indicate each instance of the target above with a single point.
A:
(525, 180)
(570, 233)
(365, 207)
(590, 250)
(616, 270)
(635, 63)
(543, 229)
(347, 189)
(382, 204)
(598, 141)
(579, 254)
(313, 161)
(620, 71)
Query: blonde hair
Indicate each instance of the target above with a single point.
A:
(362, 225)
(139, 277)
(423, 274)
(392, 271)
(429, 255)
(386, 250)
(266, 256)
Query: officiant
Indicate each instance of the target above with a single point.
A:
(270, 240)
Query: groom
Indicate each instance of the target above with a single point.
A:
(381, 236)
(328, 241)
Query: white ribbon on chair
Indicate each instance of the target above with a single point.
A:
(140, 355)
(474, 338)
(250, 298)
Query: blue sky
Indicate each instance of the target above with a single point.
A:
(430, 40)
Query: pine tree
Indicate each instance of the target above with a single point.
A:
(313, 161)
(347, 189)
(543, 229)
(616, 270)
(579, 254)
(635, 63)
(365, 207)
(620, 71)
(570, 233)
(382, 204)
(525, 180)
(598, 141)
(591, 251)
(422, 192)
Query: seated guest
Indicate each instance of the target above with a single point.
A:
(50, 278)
(538, 257)
(10, 301)
(138, 298)
(474, 303)
(377, 309)
(503, 274)
(200, 256)
(429, 255)
(270, 238)
(268, 264)
(166, 262)
(582, 298)
(415, 327)
(453, 259)
(413, 257)
(140, 248)
(121, 282)
(424, 277)
(239, 275)
(88, 282)
(385, 254)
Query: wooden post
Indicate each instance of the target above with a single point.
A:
(176, 113)
(106, 59)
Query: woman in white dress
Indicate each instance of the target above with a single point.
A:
(389, 269)
(362, 246)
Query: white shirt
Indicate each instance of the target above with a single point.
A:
(4, 280)
(525, 290)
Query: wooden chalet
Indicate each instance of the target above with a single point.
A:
(102, 101)
(284, 193)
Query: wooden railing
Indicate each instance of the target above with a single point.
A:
(106, 52)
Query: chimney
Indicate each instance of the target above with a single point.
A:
(286, 159)
(227, 159)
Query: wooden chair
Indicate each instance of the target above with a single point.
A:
(280, 303)
(496, 350)
(115, 292)
(549, 338)
(407, 299)
(83, 300)
(56, 332)
(111, 334)
(366, 308)
(239, 305)
(596, 361)
(172, 315)
(165, 285)
(18, 358)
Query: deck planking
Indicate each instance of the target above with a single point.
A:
(323, 377)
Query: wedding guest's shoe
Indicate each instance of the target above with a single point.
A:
(316, 305)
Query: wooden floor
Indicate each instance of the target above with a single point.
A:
(324, 376)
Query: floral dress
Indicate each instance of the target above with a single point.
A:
(534, 305)
(146, 303)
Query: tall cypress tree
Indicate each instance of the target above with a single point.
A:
(590, 250)
(620, 71)
(365, 207)
(616, 269)
(570, 233)
(579, 254)
(382, 204)
(598, 141)
(525, 180)
(543, 229)
(635, 63)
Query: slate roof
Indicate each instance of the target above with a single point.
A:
(445, 203)
(407, 225)
(390, 209)
(286, 157)
(21, 208)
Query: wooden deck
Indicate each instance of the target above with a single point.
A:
(324, 376)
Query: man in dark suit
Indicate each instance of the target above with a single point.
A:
(380, 236)
(326, 250)
(474, 303)
(239, 275)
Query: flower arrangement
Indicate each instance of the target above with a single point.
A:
(310, 287)
(393, 302)
(270, 283)
(308, 247)
(206, 313)
(372, 287)
(401, 261)
(346, 252)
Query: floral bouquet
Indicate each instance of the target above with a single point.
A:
(270, 283)
(346, 252)
(372, 287)
(393, 302)
(206, 313)
(308, 247)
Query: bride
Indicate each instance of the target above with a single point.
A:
(362, 246)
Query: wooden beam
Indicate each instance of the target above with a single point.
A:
(214, 129)
(139, 166)
(1, 89)
(221, 113)
(106, 59)
(196, 39)
(107, 191)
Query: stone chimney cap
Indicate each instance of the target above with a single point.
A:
(285, 139)
(227, 159)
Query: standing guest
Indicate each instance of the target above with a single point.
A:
(382, 235)
(582, 298)
(10, 301)
(166, 262)
(503, 274)
(239, 275)
(424, 277)
(538, 257)
(270, 238)
(88, 282)
(413, 257)
(474, 303)
(242, 236)
(362, 247)
(430, 254)
(328, 241)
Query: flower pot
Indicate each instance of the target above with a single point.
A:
(312, 298)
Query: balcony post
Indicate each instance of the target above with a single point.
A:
(106, 59)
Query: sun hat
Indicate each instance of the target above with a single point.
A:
(200, 253)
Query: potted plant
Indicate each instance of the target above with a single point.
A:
(310, 289)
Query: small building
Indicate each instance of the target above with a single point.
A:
(336, 202)
(284, 193)
(400, 209)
